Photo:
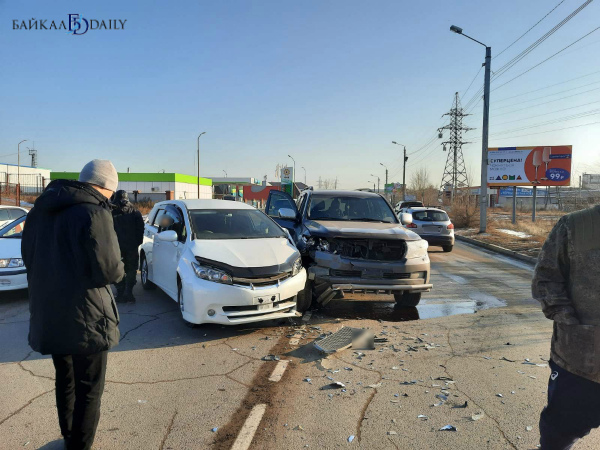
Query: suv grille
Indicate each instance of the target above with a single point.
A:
(370, 249)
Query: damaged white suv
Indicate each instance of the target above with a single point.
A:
(223, 262)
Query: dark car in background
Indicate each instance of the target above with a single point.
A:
(353, 242)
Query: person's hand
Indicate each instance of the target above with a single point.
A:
(565, 318)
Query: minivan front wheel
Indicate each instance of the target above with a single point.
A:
(146, 283)
(181, 304)
(407, 298)
(305, 297)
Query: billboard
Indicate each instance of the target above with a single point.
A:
(521, 192)
(393, 188)
(530, 166)
(590, 181)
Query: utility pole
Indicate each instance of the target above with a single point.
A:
(376, 176)
(320, 182)
(304, 176)
(204, 132)
(335, 184)
(455, 173)
(403, 171)
(484, 135)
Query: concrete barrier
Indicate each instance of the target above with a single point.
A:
(498, 249)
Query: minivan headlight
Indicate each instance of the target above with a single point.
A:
(416, 249)
(297, 267)
(11, 262)
(211, 274)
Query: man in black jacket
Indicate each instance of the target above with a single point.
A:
(129, 226)
(72, 256)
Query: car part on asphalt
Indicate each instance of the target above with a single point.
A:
(344, 338)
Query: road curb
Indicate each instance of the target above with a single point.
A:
(498, 249)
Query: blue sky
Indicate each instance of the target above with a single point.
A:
(330, 82)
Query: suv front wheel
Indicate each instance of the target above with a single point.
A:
(305, 297)
(407, 298)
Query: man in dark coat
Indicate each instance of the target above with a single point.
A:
(129, 226)
(567, 283)
(72, 256)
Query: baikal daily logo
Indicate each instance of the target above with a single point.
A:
(76, 24)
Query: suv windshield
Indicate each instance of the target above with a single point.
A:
(233, 224)
(365, 209)
(430, 216)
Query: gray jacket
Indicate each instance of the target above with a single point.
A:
(567, 284)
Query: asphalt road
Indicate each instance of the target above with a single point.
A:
(173, 387)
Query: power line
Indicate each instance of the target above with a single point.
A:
(474, 78)
(546, 87)
(545, 114)
(546, 96)
(529, 49)
(550, 57)
(550, 131)
(536, 24)
(545, 103)
(551, 122)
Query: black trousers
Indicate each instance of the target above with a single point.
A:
(131, 262)
(572, 412)
(79, 387)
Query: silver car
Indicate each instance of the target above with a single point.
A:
(433, 225)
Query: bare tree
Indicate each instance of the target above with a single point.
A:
(422, 188)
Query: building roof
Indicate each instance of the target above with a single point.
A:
(141, 177)
(340, 193)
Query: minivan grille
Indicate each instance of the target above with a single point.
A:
(370, 249)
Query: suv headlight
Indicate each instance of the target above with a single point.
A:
(416, 249)
(297, 267)
(211, 274)
(315, 243)
(11, 262)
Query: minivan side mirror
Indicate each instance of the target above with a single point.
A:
(167, 236)
(287, 213)
(406, 218)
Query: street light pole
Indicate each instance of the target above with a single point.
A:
(484, 137)
(204, 132)
(403, 171)
(19, 160)
(304, 176)
(376, 176)
(225, 173)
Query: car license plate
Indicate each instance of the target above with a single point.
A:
(266, 299)
(264, 307)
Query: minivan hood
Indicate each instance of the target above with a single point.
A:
(366, 230)
(10, 248)
(247, 257)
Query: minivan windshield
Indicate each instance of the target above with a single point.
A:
(359, 209)
(13, 229)
(233, 224)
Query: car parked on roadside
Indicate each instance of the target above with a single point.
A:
(223, 262)
(352, 241)
(402, 207)
(10, 213)
(433, 225)
(13, 274)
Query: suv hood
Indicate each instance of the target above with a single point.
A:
(366, 230)
(247, 257)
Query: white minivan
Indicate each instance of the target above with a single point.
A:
(223, 262)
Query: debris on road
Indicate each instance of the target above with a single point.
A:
(270, 358)
(391, 433)
(334, 385)
(214, 430)
(477, 416)
(142, 401)
(345, 338)
(351, 438)
(529, 428)
(422, 417)
(448, 428)
(499, 395)
(374, 386)
(504, 358)
(298, 428)
(465, 405)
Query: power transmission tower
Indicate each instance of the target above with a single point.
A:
(455, 173)
(33, 154)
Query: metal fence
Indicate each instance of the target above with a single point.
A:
(31, 184)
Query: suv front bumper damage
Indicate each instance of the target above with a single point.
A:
(332, 273)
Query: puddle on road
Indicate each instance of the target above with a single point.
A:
(390, 312)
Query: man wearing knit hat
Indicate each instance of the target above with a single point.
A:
(72, 257)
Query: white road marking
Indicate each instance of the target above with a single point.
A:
(279, 371)
(247, 432)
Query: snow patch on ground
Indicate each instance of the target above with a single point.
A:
(519, 234)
